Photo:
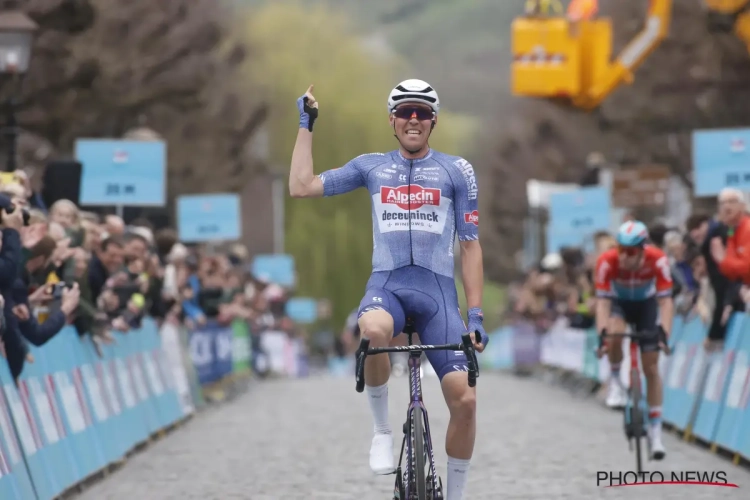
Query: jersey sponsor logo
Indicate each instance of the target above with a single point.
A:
(389, 170)
(413, 215)
(426, 177)
(472, 218)
(428, 213)
(383, 175)
(468, 172)
(410, 197)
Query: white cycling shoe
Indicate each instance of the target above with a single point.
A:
(658, 452)
(616, 397)
(381, 454)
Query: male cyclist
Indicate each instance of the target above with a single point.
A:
(634, 285)
(420, 199)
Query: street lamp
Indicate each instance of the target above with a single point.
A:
(16, 40)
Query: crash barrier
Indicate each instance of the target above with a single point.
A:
(222, 353)
(706, 394)
(74, 410)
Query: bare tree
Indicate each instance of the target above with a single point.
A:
(102, 67)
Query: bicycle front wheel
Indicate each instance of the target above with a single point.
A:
(418, 475)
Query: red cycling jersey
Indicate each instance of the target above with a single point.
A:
(651, 278)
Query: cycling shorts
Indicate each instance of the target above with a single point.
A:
(430, 301)
(642, 315)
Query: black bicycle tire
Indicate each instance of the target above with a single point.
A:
(636, 415)
(417, 445)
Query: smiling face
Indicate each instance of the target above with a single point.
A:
(412, 124)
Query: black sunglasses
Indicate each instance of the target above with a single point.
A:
(406, 113)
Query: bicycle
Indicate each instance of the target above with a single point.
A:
(636, 407)
(417, 483)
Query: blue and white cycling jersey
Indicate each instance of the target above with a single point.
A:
(418, 206)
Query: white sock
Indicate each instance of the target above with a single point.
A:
(458, 470)
(378, 397)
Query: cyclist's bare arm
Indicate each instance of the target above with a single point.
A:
(603, 312)
(303, 183)
(666, 312)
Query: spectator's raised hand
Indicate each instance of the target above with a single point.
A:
(13, 220)
(40, 296)
(21, 312)
(70, 298)
(120, 324)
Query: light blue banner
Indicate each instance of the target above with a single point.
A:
(715, 389)
(209, 217)
(276, 268)
(732, 416)
(574, 216)
(122, 172)
(73, 412)
(302, 309)
(721, 158)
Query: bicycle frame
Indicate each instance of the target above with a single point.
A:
(415, 389)
(415, 400)
(635, 368)
(636, 384)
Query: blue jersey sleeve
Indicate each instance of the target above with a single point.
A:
(466, 202)
(342, 180)
(351, 176)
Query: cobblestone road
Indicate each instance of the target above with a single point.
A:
(309, 439)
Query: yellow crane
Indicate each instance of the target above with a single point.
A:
(569, 56)
(730, 16)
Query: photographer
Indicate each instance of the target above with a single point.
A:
(11, 221)
(59, 300)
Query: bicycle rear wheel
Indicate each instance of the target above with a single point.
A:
(418, 473)
(636, 415)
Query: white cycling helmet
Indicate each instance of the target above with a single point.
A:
(416, 91)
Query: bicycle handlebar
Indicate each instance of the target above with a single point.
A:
(466, 346)
(659, 334)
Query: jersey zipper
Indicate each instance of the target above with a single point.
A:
(411, 246)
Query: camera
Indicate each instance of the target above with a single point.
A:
(26, 214)
(56, 289)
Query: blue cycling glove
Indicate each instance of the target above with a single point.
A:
(307, 114)
(476, 320)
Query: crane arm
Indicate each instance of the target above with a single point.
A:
(654, 31)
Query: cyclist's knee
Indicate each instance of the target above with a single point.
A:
(377, 325)
(464, 406)
(650, 362)
(460, 398)
(616, 325)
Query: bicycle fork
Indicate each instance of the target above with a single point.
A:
(402, 477)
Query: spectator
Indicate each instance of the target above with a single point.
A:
(705, 303)
(114, 225)
(685, 288)
(702, 229)
(657, 232)
(104, 263)
(733, 260)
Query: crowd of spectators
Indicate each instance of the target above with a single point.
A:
(710, 266)
(60, 265)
